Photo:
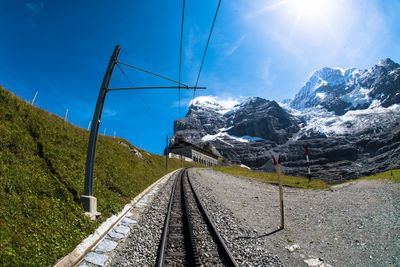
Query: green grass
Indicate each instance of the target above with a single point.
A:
(383, 176)
(301, 182)
(272, 178)
(42, 164)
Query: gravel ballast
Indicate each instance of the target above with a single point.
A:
(140, 248)
(355, 224)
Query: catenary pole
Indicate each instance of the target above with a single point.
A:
(88, 201)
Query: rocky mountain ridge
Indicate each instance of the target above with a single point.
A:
(341, 90)
(349, 119)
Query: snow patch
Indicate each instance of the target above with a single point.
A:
(219, 104)
(321, 96)
(359, 96)
(252, 138)
(222, 136)
(226, 129)
(353, 122)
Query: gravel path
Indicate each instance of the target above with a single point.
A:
(355, 224)
(237, 235)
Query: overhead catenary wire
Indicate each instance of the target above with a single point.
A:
(129, 80)
(180, 56)
(205, 50)
(154, 87)
(151, 73)
(149, 87)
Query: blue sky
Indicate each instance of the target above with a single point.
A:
(258, 48)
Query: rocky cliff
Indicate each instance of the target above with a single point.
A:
(349, 119)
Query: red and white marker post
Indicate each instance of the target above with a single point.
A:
(307, 154)
(277, 164)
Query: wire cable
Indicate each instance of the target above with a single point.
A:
(180, 57)
(142, 99)
(152, 73)
(205, 50)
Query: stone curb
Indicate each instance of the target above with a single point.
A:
(76, 256)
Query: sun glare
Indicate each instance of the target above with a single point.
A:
(305, 23)
(309, 8)
(313, 19)
(311, 14)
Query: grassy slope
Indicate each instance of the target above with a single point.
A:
(300, 182)
(393, 175)
(272, 178)
(42, 162)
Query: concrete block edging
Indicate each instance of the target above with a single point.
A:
(73, 258)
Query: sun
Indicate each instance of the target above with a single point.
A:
(310, 8)
(304, 22)
(312, 19)
(311, 14)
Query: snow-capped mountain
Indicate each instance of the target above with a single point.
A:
(349, 118)
(340, 90)
(214, 103)
(253, 118)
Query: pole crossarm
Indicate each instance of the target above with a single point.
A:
(151, 73)
(156, 87)
(89, 202)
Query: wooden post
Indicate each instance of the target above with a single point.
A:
(277, 163)
(281, 197)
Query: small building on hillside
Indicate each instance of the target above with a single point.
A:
(190, 152)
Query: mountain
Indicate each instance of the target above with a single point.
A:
(255, 117)
(340, 90)
(349, 119)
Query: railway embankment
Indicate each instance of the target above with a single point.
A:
(42, 164)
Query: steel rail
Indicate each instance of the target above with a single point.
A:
(230, 260)
(195, 257)
(163, 242)
(192, 253)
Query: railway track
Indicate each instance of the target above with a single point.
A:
(189, 237)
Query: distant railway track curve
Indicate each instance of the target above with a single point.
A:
(189, 237)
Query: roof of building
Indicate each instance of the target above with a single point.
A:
(181, 144)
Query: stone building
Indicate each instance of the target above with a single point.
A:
(190, 152)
